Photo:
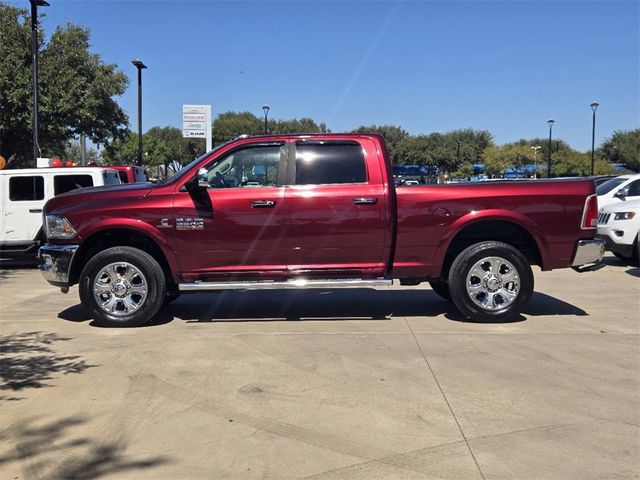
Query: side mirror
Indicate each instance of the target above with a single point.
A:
(622, 193)
(202, 179)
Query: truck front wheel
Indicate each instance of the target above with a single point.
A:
(490, 282)
(122, 287)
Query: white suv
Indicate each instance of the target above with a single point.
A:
(618, 226)
(23, 193)
(618, 189)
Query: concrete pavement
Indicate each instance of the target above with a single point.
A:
(324, 384)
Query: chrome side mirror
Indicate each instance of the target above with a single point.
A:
(203, 178)
(622, 193)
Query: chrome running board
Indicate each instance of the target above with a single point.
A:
(297, 283)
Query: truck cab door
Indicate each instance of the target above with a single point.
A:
(233, 227)
(337, 210)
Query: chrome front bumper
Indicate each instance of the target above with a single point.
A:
(54, 261)
(588, 251)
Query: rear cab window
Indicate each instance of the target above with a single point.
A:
(111, 177)
(322, 163)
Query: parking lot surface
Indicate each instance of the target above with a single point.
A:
(324, 384)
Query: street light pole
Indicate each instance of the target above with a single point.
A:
(550, 122)
(535, 161)
(139, 65)
(594, 107)
(458, 154)
(265, 109)
(34, 72)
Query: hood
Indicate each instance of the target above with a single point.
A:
(82, 197)
(622, 206)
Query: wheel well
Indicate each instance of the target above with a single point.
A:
(496, 230)
(120, 237)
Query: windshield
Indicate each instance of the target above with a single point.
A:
(183, 171)
(609, 185)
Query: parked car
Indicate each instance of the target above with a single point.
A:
(322, 211)
(414, 174)
(617, 189)
(23, 193)
(618, 226)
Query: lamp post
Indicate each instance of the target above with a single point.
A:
(550, 122)
(458, 154)
(265, 109)
(535, 160)
(139, 65)
(594, 107)
(34, 72)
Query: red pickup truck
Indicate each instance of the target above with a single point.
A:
(302, 211)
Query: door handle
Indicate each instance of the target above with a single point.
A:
(365, 200)
(263, 204)
(35, 210)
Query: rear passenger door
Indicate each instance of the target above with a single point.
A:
(336, 210)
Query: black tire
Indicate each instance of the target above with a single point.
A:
(145, 276)
(441, 288)
(504, 289)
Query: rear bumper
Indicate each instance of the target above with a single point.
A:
(54, 261)
(588, 251)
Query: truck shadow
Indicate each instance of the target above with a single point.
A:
(336, 305)
(360, 304)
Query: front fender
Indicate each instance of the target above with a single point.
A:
(103, 225)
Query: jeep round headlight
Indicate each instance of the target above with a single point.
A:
(59, 227)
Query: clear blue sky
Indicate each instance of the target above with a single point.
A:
(426, 66)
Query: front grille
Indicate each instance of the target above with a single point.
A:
(603, 218)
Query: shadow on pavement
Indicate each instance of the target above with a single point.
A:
(28, 360)
(52, 450)
(360, 304)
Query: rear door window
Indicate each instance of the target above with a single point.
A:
(66, 183)
(321, 163)
(26, 188)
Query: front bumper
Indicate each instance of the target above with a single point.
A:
(54, 261)
(588, 251)
(621, 249)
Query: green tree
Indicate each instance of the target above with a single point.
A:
(73, 153)
(392, 135)
(76, 89)
(571, 163)
(303, 125)
(228, 125)
(623, 147)
(465, 171)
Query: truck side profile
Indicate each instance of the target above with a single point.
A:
(300, 211)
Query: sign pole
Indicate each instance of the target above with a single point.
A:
(209, 139)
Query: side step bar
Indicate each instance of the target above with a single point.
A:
(297, 283)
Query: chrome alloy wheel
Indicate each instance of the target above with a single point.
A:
(120, 289)
(493, 283)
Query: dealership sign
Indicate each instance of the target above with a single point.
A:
(196, 122)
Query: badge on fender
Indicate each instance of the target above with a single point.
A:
(189, 223)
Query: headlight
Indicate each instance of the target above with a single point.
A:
(624, 215)
(57, 226)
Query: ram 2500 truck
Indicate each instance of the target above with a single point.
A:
(303, 211)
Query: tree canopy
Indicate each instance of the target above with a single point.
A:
(623, 147)
(76, 89)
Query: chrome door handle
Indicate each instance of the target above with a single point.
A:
(365, 200)
(263, 204)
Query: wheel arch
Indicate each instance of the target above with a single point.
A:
(515, 230)
(104, 238)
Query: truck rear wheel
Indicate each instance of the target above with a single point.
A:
(490, 282)
(122, 287)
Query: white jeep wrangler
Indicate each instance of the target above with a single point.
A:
(23, 193)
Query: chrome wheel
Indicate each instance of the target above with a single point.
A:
(120, 289)
(493, 283)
